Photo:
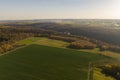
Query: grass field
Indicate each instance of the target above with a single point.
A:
(106, 53)
(44, 41)
(56, 43)
(36, 62)
(98, 75)
(62, 44)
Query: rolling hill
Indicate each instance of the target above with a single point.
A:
(36, 62)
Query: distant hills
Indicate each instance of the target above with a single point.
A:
(107, 30)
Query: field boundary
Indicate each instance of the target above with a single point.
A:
(13, 50)
(90, 71)
(93, 65)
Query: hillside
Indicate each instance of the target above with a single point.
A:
(37, 62)
(100, 29)
(74, 53)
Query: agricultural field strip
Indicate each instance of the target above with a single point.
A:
(70, 57)
(62, 44)
(47, 41)
(41, 40)
(13, 50)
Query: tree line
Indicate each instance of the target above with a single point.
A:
(111, 70)
(9, 35)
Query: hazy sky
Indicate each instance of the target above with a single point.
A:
(55, 9)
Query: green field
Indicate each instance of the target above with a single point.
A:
(62, 44)
(98, 75)
(48, 59)
(44, 41)
(36, 62)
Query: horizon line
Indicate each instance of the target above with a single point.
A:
(60, 19)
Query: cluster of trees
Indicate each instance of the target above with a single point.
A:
(112, 70)
(75, 42)
(8, 38)
(5, 47)
(108, 47)
(10, 35)
(82, 44)
(63, 38)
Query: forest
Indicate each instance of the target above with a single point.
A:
(111, 70)
(12, 32)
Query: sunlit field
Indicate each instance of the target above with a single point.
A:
(36, 62)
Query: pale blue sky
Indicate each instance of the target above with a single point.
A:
(59, 9)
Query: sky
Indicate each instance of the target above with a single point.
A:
(59, 9)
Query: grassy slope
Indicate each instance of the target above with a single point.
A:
(44, 41)
(36, 62)
(99, 76)
(106, 53)
(56, 43)
(62, 44)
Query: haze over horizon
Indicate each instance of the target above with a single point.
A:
(59, 9)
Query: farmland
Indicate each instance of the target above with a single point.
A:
(61, 44)
(60, 40)
(36, 62)
(32, 52)
(43, 41)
